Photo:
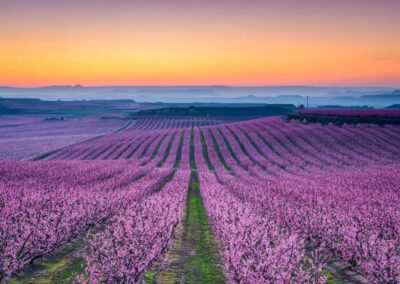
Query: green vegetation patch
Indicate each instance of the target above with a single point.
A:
(60, 268)
(331, 279)
(194, 257)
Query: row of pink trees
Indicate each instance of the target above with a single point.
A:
(275, 189)
(47, 204)
(318, 183)
(174, 123)
(255, 248)
(24, 142)
(353, 112)
(138, 236)
(276, 147)
(348, 214)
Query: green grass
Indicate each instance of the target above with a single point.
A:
(52, 267)
(329, 275)
(201, 265)
(61, 268)
(193, 257)
(149, 276)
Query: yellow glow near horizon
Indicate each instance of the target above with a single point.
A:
(177, 50)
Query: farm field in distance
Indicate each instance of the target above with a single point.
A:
(198, 200)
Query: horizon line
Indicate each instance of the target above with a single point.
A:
(198, 86)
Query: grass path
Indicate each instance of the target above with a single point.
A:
(60, 267)
(194, 256)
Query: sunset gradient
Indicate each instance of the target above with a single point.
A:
(121, 42)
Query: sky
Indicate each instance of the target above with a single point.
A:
(220, 42)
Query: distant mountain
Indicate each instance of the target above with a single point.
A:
(393, 95)
(60, 87)
(395, 106)
(343, 107)
(297, 95)
(178, 91)
(291, 96)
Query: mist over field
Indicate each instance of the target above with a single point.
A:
(318, 96)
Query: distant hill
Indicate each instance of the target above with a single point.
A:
(395, 106)
(393, 95)
(343, 107)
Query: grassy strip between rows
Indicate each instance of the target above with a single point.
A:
(193, 257)
(60, 268)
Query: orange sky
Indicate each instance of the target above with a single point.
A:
(348, 43)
